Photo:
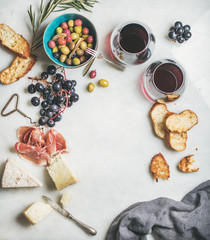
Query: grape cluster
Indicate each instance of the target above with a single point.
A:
(56, 95)
(179, 33)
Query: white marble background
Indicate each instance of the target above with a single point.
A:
(109, 131)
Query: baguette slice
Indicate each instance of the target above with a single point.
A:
(15, 176)
(14, 41)
(159, 167)
(186, 164)
(177, 140)
(182, 122)
(19, 68)
(158, 114)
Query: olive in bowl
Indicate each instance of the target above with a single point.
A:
(66, 38)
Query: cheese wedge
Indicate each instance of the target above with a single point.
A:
(37, 211)
(15, 176)
(65, 199)
(60, 172)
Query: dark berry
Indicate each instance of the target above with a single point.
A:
(53, 108)
(69, 103)
(59, 77)
(50, 123)
(31, 88)
(67, 85)
(177, 24)
(72, 91)
(74, 83)
(48, 113)
(51, 69)
(46, 93)
(58, 118)
(74, 98)
(172, 29)
(187, 35)
(42, 112)
(44, 104)
(44, 75)
(59, 99)
(186, 28)
(180, 39)
(172, 35)
(56, 55)
(179, 30)
(56, 86)
(35, 101)
(42, 121)
(39, 87)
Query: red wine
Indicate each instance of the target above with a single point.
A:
(133, 38)
(168, 77)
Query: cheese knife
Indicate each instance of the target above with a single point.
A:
(64, 212)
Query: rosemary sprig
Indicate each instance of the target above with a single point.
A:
(53, 6)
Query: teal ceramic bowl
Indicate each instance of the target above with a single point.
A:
(50, 32)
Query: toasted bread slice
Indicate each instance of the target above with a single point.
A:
(14, 41)
(181, 122)
(158, 113)
(15, 176)
(186, 164)
(159, 167)
(19, 68)
(177, 141)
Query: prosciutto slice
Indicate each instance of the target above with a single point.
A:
(34, 146)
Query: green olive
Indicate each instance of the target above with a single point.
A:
(80, 52)
(61, 46)
(83, 45)
(71, 45)
(71, 23)
(68, 61)
(62, 58)
(78, 29)
(103, 83)
(85, 36)
(65, 50)
(76, 61)
(59, 30)
(74, 35)
(91, 87)
(55, 49)
(90, 45)
(82, 59)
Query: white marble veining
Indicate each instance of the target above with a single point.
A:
(109, 131)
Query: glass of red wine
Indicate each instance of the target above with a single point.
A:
(132, 42)
(163, 78)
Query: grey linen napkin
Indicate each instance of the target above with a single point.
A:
(169, 219)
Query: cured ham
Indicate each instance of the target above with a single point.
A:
(34, 146)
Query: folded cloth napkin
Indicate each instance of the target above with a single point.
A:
(169, 219)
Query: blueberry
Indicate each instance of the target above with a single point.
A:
(186, 28)
(172, 35)
(58, 118)
(74, 83)
(53, 108)
(56, 55)
(74, 98)
(42, 112)
(39, 87)
(50, 122)
(42, 121)
(35, 101)
(180, 39)
(56, 86)
(44, 104)
(44, 75)
(187, 35)
(67, 85)
(48, 113)
(59, 77)
(31, 88)
(180, 30)
(177, 24)
(51, 69)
